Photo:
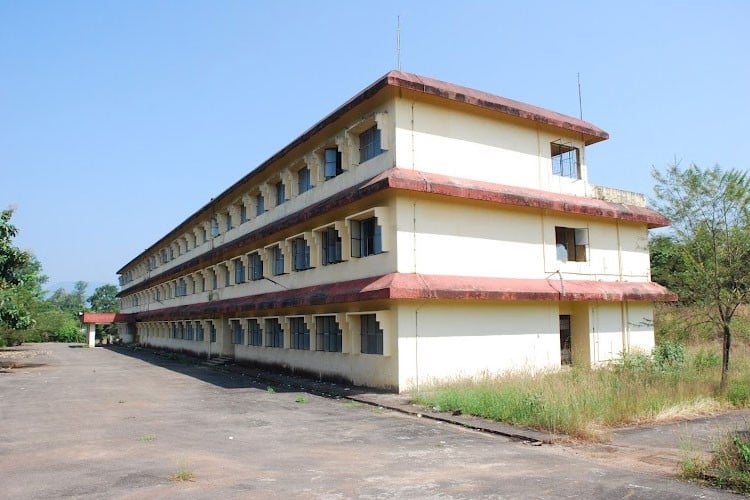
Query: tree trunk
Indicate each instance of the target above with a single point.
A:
(725, 356)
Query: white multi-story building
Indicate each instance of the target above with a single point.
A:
(420, 231)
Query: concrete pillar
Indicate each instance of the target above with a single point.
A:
(91, 333)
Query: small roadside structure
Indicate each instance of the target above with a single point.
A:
(91, 319)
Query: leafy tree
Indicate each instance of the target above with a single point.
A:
(20, 283)
(667, 263)
(710, 213)
(72, 302)
(104, 299)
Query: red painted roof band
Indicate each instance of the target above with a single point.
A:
(400, 286)
(100, 318)
(422, 182)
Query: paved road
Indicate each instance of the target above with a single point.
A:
(98, 423)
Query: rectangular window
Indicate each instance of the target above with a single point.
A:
(188, 330)
(170, 251)
(328, 334)
(331, 242)
(181, 288)
(372, 335)
(332, 163)
(238, 336)
(227, 278)
(214, 279)
(256, 266)
(300, 335)
(214, 227)
(571, 244)
(212, 330)
(158, 295)
(300, 254)
(278, 260)
(260, 205)
(204, 234)
(303, 180)
(228, 221)
(180, 330)
(254, 332)
(565, 162)
(274, 333)
(243, 213)
(199, 332)
(369, 144)
(239, 271)
(280, 193)
(163, 256)
(366, 237)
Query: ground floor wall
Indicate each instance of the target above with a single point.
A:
(420, 342)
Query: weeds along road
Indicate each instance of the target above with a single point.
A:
(96, 423)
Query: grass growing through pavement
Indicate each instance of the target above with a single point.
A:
(729, 468)
(582, 402)
(182, 474)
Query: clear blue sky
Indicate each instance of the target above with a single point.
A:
(118, 119)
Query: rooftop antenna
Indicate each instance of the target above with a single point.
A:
(398, 43)
(580, 102)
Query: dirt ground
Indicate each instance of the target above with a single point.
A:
(117, 423)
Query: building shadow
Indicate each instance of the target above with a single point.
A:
(239, 375)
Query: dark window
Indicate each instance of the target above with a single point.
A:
(214, 227)
(372, 335)
(170, 250)
(212, 330)
(239, 271)
(366, 237)
(565, 161)
(332, 163)
(260, 205)
(163, 256)
(256, 266)
(300, 254)
(300, 335)
(214, 279)
(274, 333)
(199, 332)
(188, 331)
(204, 234)
(278, 260)
(565, 336)
(243, 213)
(255, 334)
(328, 334)
(238, 336)
(331, 246)
(369, 144)
(227, 277)
(571, 244)
(228, 220)
(181, 288)
(280, 193)
(303, 180)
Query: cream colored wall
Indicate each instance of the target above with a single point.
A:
(451, 339)
(640, 326)
(452, 237)
(447, 141)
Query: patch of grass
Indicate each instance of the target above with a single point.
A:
(583, 402)
(729, 468)
(300, 399)
(148, 438)
(270, 390)
(182, 474)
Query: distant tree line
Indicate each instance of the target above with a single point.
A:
(27, 314)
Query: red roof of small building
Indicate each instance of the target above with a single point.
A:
(98, 318)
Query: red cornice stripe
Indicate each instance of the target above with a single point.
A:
(399, 286)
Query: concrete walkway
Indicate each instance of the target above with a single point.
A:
(121, 423)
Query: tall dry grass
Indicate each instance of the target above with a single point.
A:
(582, 402)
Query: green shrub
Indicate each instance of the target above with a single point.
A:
(738, 393)
(669, 354)
(703, 360)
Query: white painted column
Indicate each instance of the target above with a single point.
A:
(91, 331)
